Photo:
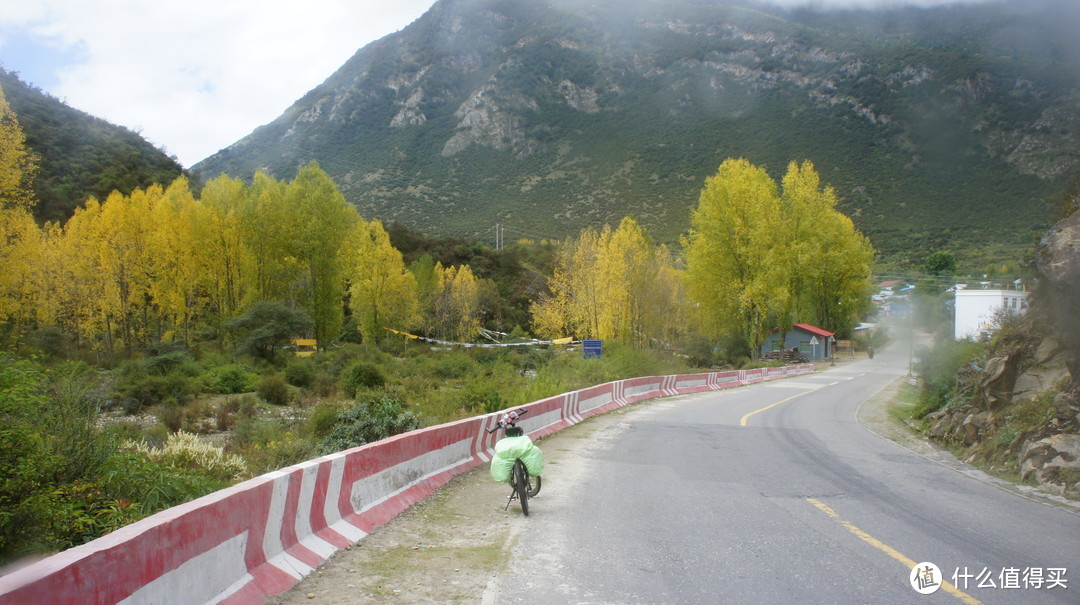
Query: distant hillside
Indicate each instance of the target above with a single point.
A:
(940, 128)
(80, 155)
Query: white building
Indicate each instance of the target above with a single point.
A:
(974, 310)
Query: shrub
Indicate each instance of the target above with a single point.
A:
(937, 368)
(27, 506)
(199, 417)
(151, 484)
(322, 419)
(185, 451)
(248, 407)
(268, 325)
(361, 375)
(493, 390)
(135, 391)
(454, 365)
(179, 387)
(273, 390)
(90, 511)
(172, 416)
(229, 379)
(300, 373)
(163, 364)
(267, 445)
(367, 422)
(324, 385)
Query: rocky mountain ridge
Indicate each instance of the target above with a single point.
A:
(557, 115)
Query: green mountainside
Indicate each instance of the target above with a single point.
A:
(949, 128)
(80, 155)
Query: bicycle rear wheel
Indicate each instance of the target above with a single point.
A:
(521, 485)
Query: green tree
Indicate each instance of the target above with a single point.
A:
(322, 221)
(941, 263)
(829, 275)
(382, 291)
(268, 325)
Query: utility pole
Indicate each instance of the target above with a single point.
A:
(498, 236)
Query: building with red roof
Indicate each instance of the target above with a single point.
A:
(814, 342)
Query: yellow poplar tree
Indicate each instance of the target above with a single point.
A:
(382, 291)
(322, 221)
(20, 243)
(19, 235)
(736, 262)
(83, 287)
(830, 261)
(573, 307)
(271, 265)
(455, 301)
(17, 164)
(178, 275)
(224, 254)
(604, 285)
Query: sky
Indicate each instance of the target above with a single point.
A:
(195, 76)
(192, 76)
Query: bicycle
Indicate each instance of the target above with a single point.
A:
(521, 483)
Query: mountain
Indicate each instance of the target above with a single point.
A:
(949, 128)
(80, 155)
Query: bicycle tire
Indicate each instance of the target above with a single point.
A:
(521, 485)
(534, 489)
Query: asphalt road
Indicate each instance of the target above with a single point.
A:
(775, 494)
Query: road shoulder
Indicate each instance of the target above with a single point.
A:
(874, 416)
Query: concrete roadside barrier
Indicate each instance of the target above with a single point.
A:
(259, 538)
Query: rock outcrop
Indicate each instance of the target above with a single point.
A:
(1025, 370)
(1058, 261)
(1054, 462)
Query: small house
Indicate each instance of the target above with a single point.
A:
(815, 343)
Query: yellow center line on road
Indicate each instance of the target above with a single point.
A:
(742, 422)
(885, 548)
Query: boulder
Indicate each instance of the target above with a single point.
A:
(973, 425)
(1035, 381)
(1067, 407)
(1054, 462)
(998, 379)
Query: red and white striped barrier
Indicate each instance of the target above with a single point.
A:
(261, 537)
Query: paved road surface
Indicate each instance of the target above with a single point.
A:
(775, 494)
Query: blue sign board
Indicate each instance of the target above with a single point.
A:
(591, 349)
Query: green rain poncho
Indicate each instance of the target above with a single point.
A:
(509, 449)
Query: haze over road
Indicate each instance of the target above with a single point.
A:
(719, 497)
